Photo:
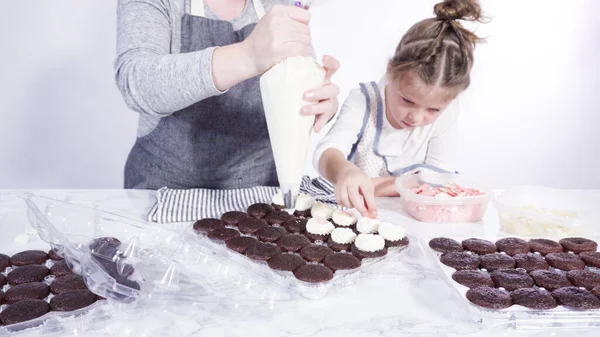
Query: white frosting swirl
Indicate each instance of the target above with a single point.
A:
(367, 225)
(321, 210)
(304, 202)
(343, 236)
(391, 232)
(278, 199)
(319, 226)
(369, 242)
(343, 218)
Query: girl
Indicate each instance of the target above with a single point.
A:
(407, 122)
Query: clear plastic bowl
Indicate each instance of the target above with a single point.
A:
(442, 210)
(532, 211)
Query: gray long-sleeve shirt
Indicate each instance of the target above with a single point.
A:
(154, 78)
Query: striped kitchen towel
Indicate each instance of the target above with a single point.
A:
(183, 205)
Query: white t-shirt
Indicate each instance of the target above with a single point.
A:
(433, 145)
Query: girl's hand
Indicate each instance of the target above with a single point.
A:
(283, 32)
(325, 101)
(354, 189)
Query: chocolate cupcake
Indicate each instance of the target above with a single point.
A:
(207, 225)
(341, 239)
(534, 299)
(223, 234)
(67, 283)
(491, 298)
(277, 217)
(286, 262)
(251, 225)
(367, 225)
(576, 298)
(584, 278)
(512, 279)
(4, 262)
(303, 205)
(295, 225)
(315, 253)
(565, 261)
(26, 274)
(531, 262)
(292, 242)
(53, 256)
(277, 202)
(27, 291)
(233, 218)
(369, 246)
(496, 261)
(321, 210)
(270, 234)
(394, 235)
(262, 251)
(545, 246)
(259, 210)
(578, 245)
(473, 278)
(60, 268)
(596, 291)
(591, 259)
(342, 218)
(479, 246)
(550, 280)
(24, 311)
(341, 261)
(513, 246)
(29, 257)
(1, 300)
(73, 300)
(318, 229)
(241, 244)
(2, 280)
(445, 245)
(313, 273)
(460, 260)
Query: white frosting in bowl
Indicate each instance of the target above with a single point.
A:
(369, 242)
(319, 226)
(391, 232)
(343, 236)
(367, 225)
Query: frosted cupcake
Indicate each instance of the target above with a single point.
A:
(394, 235)
(367, 225)
(321, 210)
(318, 229)
(304, 203)
(369, 246)
(277, 201)
(341, 239)
(343, 219)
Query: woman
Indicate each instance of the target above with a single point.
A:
(191, 69)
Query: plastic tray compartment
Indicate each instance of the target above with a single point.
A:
(458, 209)
(286, 281)
(559, 316)
(542, 211)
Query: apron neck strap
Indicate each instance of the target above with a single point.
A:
(197, 8)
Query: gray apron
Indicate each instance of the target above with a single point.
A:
(221, 142)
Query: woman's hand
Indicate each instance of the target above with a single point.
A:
(324, 99)
(283, 32)
(354, 189)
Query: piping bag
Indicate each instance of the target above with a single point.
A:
(282, 89)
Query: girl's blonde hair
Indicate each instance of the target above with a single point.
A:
(440, 50)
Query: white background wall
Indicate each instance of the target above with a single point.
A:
(530, 117)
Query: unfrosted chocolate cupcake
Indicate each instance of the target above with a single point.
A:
(591, 258)
(315, 253)
(292, 242)
(460, 260)
(4, 262)
(24, 311)
(445, 245)
(596, 291)
(512, 279)
(26, 274)
(223, 234)
(513, 246)
(270, 234)
(565, 261)
(251, 225)
(584, 278)
(2, 280)
(53, 256)
(534, 299)
(31, 291)
(313, 273)
(277, 217)
(576, 298)
(490, 297)
(241, 244)
(73, 300)
(29, 257)
(60, 268)
(341, 261)
(545, 246)
(67, 283)
(286, 262)
(259, 210)
(578, 245)
(473, 278)
(295, 225)
(479, 246)
(550, 280)
(262, 251)
(531, 262)
(233, 218)
(496, 261)
(207, 225)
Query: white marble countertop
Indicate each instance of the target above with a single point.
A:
(406, 298)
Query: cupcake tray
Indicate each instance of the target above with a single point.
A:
(286, 281)
(520, 315)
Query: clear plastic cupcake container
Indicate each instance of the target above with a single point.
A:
(561, 316)
(532, 211)
(442, 209)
